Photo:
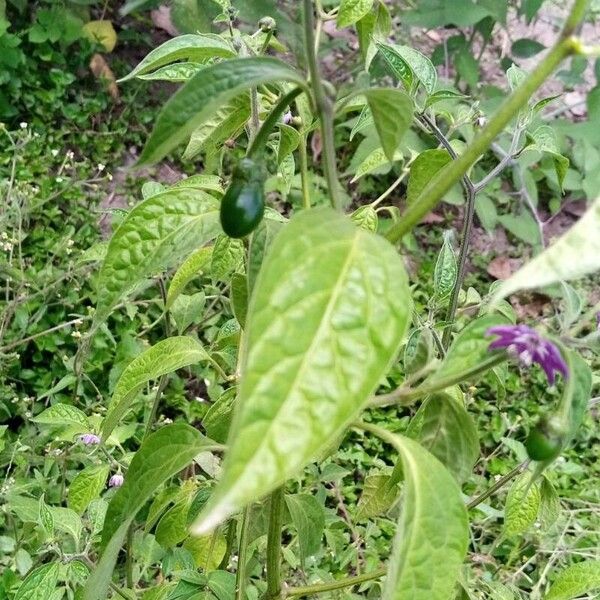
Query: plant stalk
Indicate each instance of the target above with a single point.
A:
(499, 484)
(274, 545)
(443, 181)
(324, 108)
(407, 396)
(319, 588)
(240, 575)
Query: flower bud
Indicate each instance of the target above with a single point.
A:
(116, 480)
(267, 24)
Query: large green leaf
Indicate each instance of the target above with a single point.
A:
(405, 63)
(39, 583)
(392, 112)
(64, 415)
(422, 170)
(191, 47)
(308, 518)
(205, 93)
(162, 455)
(379, 492)
(577, 580)
(449, 433)
(575, 254)
(87, 485)
(155, 235)
(432, 535)
(320, 335)
(164, 357)
(522, 505)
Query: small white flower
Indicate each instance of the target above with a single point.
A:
(101, 167)
(23, 125)
(76, 334)
(109, 176)
(70, 155)
(70, 243)
(58, 179)
(54, 152)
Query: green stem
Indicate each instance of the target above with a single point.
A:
(319, 588)
(240, 575)
(129, 558)
(304, 172)
(406, 396)
(274, 545)
(499, 484)
(443, 181)
(324, 108)
(261, 137)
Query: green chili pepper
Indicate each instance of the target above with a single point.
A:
(243, 204)
(545, 440)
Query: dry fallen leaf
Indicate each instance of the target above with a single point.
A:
(161, 17)
(102, 32)
(101, 70)
(503, 267)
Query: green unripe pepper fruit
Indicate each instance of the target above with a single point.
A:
(243, 205)
(545, 440)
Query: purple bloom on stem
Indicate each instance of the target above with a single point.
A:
(116, 480)
(528, 346)
(89, 439)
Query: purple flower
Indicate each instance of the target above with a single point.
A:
(89, 439)
(116, 480)
(528, 346)
(287, 117)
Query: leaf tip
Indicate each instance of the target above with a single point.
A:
(210, 518)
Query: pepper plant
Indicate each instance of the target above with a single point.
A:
(324, 331)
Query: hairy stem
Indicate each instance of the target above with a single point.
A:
(324, 108)
(443, 181)
(304, 171)
(274, 545)
(319, 588)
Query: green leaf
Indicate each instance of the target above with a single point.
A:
(422, 169)
(192, 47)
(172, 527)
(392, 112)
(260, 244)
(378, 494)
(577, 580)
(449, 433)
(469, 349)
(575, 254)
(208, 551)
(209, 183)
(526, 47)
(192, 267)
(155, 235)
(239, 297)
(39, 583)
(227, 123)
(432, 535)
(46, 517)
(352, 10)
(208, 90)
(175, 73)
(310, 325)
(522, 505)
(309, 520)
(549, 504)
(162, 455)
(188, 309)
(365, 217)
(397, 65)
(227, 255)
(446, 269)
(437, 13)
(217, 420)
(418, 351)
(374, 161)
(365, 119)
(289, 140)
(65, 415)
(441, 95)
(164, 357)
(87, 486)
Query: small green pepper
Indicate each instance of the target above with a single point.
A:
(243, 205)
(545, 440)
